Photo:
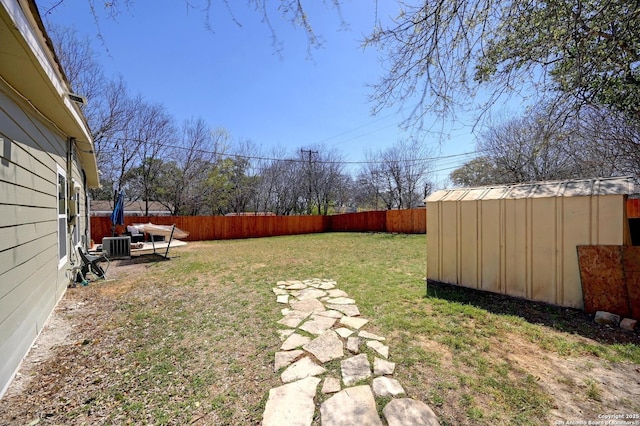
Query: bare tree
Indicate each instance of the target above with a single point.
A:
(121, 147)
(187, 190)
(80, 65)
(326, 178)
(281, 187)
(549, 144)
(366, 189)
(531, 148)
(153, 132)
(345, 193)
(109, 107)
(608, 143)
(243, 176)
(399, 175)
(114, 109)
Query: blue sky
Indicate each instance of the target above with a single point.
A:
(232, 77)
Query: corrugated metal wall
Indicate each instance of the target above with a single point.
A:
(521, 240)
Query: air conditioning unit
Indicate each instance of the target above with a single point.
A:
(117, 247)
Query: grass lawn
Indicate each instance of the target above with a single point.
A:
(192, 340)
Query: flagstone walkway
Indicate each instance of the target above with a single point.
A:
(322, 326)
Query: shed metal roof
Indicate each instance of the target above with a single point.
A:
(546, 189)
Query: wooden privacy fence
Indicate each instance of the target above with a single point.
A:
(202, 228)
(412, 221)
(374, 221)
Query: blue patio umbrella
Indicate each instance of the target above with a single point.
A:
(117, 216)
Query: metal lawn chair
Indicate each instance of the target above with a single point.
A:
(91, 263)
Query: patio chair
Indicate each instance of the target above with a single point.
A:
(91, 263)
(135, 234)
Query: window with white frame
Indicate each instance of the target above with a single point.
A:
(75, 199)
(62, 218)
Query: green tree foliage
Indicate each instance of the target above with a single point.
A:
(231, 188)
(476, 172)
(440, 52)
(169, 191)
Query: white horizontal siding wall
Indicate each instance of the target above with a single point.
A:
(31, 282)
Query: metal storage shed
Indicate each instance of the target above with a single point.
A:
(520, 240)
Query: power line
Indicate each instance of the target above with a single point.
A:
(346, 132)
(294, 160)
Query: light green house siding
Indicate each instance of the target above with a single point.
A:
(40, 130)
(31, 282)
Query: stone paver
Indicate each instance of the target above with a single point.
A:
(311, 305)
(283, 298)
(353, 322)
(285, 333)
(294, 341)
(331, 385)
(311, 293)
(336, 293)
(382, 367)
(355, 369)
(326, 347)
(291, 404)
(350, 407)
(348, 310)
(295, 285)
(304, 367)
(294, 318)
(341, 301)
(316, 307)
(327, 285)
(381, 349)
(330, 314)
(344, 332)
(367, 335)
(385, 386)
(629, 324)
(318, 325)
(353, 344)
(285, 358)
(603, 317)
(409, 412)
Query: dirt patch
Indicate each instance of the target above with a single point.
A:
(581, 387)
(56, 332)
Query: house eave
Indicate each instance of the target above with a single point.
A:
(33, 71)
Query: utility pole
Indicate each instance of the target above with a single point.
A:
(310, 153)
